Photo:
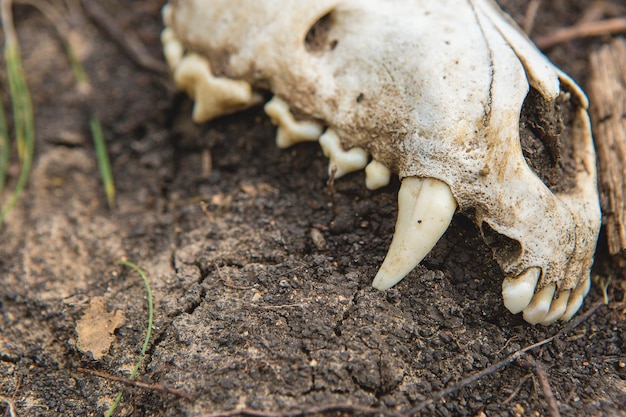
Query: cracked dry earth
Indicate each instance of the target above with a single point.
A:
(261, 283)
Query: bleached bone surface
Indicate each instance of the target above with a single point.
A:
(431, 90)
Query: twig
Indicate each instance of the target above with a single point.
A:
(341, 407)
(509, 359)
(331, 184)
(582, 30)
(542, 376)
(601, 9)
(531, 15)
(518, 389)
(129, 43)
(136, 384)
(10, 411)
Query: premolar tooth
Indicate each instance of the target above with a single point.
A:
(518, 291)
(540, 305)
(214, 96)
(425, 209)
(557, 309)
(345, 161)
(290, 131)
(576, 299)
(172, 48)
(376, 175)
(166, 14)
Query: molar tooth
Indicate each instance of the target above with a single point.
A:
(290, 131)
(345, 161)
(557, 309)
(518, 291)
(576, 299)
(539, 305)
(376, 175)
(425, 209)
(214, 96)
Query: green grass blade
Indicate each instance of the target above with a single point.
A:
(23, 121)
(4, 147)
(143, 276)
(103, 160)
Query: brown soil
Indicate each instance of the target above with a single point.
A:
(261, 284)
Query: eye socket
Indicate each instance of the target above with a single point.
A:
(546, 138)
(318, 39)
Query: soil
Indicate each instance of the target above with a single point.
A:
(261, 276)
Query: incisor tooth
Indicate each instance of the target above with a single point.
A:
(576, 299)
(425, 209)
(540, 305)
(345, 161)
(376, 175)
(557, 308)
(289, 130)
(518, 291)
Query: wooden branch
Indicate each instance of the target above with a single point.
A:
(607, 94)
(137, 384)
(582, 30)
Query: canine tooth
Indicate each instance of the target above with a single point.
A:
(425, 209)
(214, 96)
(557, 309)
(172, 48)
(289, 130)
(376, 175)
(576, 299)
(539, 305)
(518, 291)
(345, 161)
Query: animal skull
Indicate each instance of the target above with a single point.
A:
(432, 91)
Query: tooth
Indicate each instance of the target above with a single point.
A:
(172, 48)
(425, 210)
(539, 305)
(214, 96)
(576, 299)
(557, 308)
(344, 161)
(166, 13)
(376, 175)
(518, 291)
(290, 131)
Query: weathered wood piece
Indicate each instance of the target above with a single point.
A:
(607, 93)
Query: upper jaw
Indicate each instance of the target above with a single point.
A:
(451, 135)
